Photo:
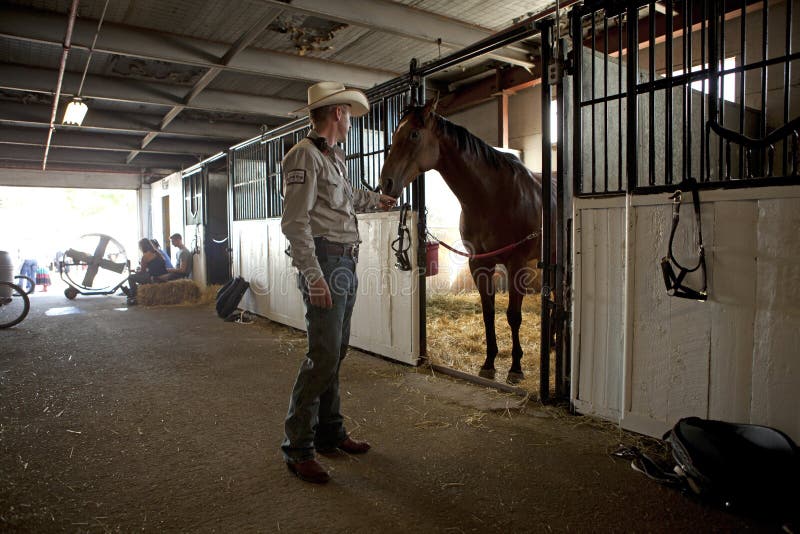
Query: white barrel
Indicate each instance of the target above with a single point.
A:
(6, 273)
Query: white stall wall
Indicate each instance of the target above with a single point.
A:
(386, 316)
(646, 359)
(172, 187)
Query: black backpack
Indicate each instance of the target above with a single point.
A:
(749, 468)
(229, 296)
(737, 465)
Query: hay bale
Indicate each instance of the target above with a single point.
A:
(183, 291)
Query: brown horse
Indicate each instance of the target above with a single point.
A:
(501, 205)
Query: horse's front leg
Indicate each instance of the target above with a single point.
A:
(483, 277)
(514, 316)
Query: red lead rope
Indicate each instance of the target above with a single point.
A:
(484, 254)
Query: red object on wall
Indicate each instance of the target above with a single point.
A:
(431, 258)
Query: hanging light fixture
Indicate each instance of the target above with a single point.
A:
(77, 108)
(76, 111)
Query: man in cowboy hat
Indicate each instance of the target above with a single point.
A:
(320, 223)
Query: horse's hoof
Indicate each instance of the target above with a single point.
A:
(486, 373)
(515, 377)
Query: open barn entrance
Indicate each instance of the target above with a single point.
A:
(41, 223)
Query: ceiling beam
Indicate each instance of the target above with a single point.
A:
(14, 113)
(405, 21)
(507, 81)
(19, 78)
(71, 179)
(46, 27)
(114, 143)
(241, 43)
(94, 158)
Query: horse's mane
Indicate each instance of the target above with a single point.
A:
(471, 144)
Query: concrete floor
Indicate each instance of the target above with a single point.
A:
(169, 419)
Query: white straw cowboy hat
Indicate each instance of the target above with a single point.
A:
(330, 93)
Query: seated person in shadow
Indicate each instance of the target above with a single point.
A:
(184, 268)
(163, 253)
(151, 266)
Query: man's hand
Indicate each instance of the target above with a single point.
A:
(386, 202)
(320, 294)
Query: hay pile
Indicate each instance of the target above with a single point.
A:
(456, 336)
(182, 291)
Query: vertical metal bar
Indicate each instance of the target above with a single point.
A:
(787, 68)
(651, 97)
(619, 107)
(605, 103)
(686, 90)
(668, 99)
(743, 54)
(544, 364)
(709, 83)
(633, 115)
(577, 110)
(719, 24)
(764, 21)
(688, 70)
(594, 80)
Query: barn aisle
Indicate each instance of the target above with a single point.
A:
(169, 419)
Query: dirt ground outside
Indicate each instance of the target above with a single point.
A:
(169, 420)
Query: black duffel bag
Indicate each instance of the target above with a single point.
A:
(229, 296)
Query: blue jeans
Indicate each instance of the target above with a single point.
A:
(314, 419)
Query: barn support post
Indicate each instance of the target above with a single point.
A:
(560, 283)
(545, 26)
(418, 205)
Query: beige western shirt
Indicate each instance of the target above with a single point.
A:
(319, 202)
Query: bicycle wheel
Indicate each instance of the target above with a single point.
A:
(14, 304)
(31, 284)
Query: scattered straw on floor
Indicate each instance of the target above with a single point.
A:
(457, 339)
(174, 292)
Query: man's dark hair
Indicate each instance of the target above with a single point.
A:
(146, 246)
(176, 236)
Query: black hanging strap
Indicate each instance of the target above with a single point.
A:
(402, 244)
(675, 283)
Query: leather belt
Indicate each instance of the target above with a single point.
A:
(324, 248)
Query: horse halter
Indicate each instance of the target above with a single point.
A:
(674, 283)
(402, 244)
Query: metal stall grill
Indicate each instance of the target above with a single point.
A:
(193, 193)
(708, 94)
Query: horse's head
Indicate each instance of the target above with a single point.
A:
(415, 149)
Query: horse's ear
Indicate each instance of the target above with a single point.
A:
(430, 107)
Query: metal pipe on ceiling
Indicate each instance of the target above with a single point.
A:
(73, 12)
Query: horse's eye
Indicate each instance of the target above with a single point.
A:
(414, 134)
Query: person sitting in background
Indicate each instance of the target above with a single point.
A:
(167, 259)
(151, 266)
(184, 269)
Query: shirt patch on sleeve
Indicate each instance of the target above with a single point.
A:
(296, 176)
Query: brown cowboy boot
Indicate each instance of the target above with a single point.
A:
(310, 471)
(349, 446)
